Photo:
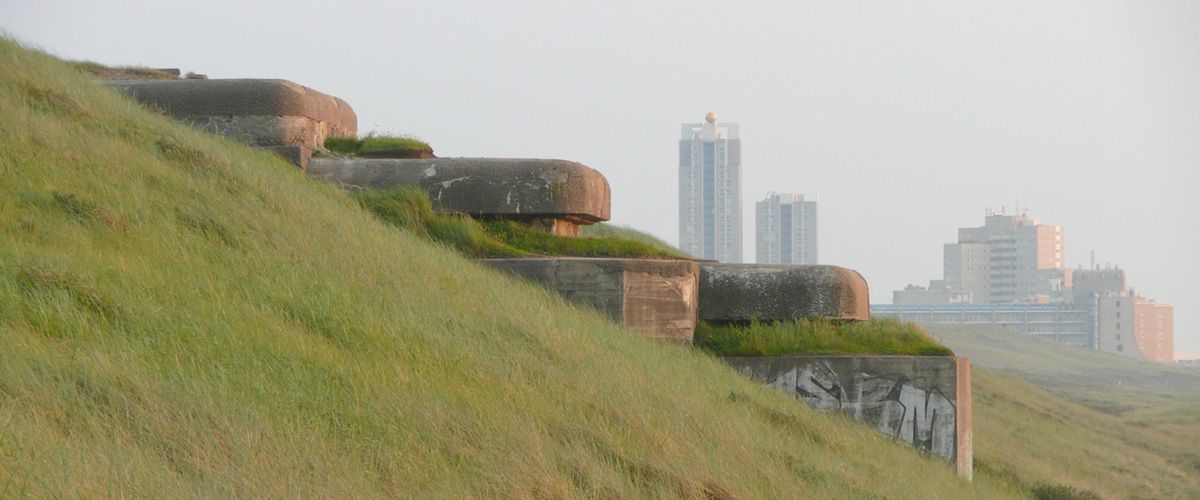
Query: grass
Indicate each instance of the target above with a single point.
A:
(878, 336)
(409, 207)
(183, 316)
(1059, 419)
(371, 143)
(102, 72)
(606, 230)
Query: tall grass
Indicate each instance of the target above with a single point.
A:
(606, 230)
(878, 336)
(181, 316)
(409, 207)
(353, 146)
(1076, 422)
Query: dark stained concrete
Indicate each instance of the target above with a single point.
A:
(739, 292)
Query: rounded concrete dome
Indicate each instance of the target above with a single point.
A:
(710, 117)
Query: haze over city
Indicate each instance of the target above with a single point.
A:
(906, 120)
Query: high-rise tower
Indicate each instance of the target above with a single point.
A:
(710, 190)
(785, 230)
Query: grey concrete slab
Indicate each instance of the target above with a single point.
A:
(656, 298)
(240, 97)
(484, 187)
(739, 292)
(924, 401)
(260, 112)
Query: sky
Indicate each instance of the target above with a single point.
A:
(906, 119)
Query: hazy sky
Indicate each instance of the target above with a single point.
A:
(907, 119)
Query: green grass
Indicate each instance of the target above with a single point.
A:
(102, 72)
(183, 316)
(351, 146)
(1063, 418)
(879, 336)
(606, 230)
(409, 207)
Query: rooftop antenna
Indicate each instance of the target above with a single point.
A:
(1093, 259)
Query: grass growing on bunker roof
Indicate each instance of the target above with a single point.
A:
(877, 336)
(353, 146)
(103, 72)
(409, 207)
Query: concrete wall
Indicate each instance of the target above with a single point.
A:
(924, 401)
(654, 297)
(734, 293)
(557, 195)
(279, 115)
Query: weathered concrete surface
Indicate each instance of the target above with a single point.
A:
(654, 297)
(924, 401)
(269, 113)
(563, 191)
(739, 292)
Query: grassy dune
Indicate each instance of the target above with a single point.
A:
(181, 316)
(409, 208)
(1097, 422)
(877, 336)
(603, 230)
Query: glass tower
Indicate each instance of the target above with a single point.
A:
(710, 190)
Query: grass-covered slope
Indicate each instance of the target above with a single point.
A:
(606, 230)
(182, 316)
(1094, 421)
(877, 336)
(409, 208)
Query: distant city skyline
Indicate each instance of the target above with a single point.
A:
(908, 118)
(1009, 272)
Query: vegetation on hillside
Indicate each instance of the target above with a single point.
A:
(372, 143)
(1095, 422)
(606, 230)
(102, 72)
(183, 316)
(409, 207)
(877, 336)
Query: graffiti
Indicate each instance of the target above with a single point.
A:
(908, 409)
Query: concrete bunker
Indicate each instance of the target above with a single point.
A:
(556, 195)
(656, 298)
(287, 118)
(924, 401)
(736, 293)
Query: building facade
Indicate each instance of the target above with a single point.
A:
(1100, 312)
(1011, 258)
(1154, 329)
(710, 190)
(1060, 323)
(938, 292)
(785, 230)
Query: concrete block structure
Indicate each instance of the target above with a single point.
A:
(736, 293)
(557, 195)
(279, 115)
(654, 297)
(924, 401)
